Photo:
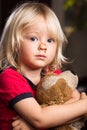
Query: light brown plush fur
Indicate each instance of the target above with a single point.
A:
(57, 89)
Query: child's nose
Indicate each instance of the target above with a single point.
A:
(42, 46)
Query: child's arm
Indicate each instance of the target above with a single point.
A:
(20, 123)
(50, 116)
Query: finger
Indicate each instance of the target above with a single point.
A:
(15, 118)
(83, 95)
(17, 128)
(15, 123)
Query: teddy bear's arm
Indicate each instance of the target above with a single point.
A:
(75, 97)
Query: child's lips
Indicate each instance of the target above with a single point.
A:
(41, 56)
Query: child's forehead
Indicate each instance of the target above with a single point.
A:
(38, 28)
(39, 32)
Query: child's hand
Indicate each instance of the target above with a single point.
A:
(83, 95)
(20, 124)
(75, 97)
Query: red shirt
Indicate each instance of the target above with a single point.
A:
(13, 88)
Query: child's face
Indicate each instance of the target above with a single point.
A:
(38, 48)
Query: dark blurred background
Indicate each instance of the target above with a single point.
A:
(72, 15)
(6, 6)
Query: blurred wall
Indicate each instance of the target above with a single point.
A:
(6, 8)
(76, 49)
(57, 6)
(77, 52)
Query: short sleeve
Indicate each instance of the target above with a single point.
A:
(13, 87)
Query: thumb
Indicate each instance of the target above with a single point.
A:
(83, 95)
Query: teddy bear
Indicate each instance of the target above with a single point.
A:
(57, 89)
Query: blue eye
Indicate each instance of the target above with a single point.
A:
(50, 40)
(33, 39)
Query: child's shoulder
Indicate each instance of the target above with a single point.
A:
(10, 74)
(8, 71)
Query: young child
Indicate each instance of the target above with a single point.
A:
(31, 43)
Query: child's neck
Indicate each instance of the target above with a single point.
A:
(33, 75)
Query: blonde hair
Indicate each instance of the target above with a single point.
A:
(22, 18)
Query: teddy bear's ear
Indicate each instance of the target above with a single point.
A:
(49, 81)
(70, 77)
